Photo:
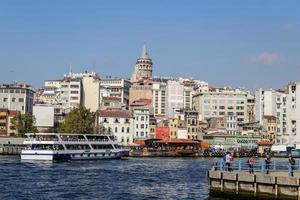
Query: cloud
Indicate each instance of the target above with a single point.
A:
(266, 58)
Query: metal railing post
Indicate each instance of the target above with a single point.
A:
(262, 167)
(221, 165)
(290, 170)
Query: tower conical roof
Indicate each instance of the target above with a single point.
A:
(145, 54)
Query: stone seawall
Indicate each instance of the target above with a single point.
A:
(11, 146)
(253, 186)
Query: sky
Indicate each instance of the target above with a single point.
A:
(249, 43)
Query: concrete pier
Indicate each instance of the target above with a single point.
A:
(11, 146)
(277, 185)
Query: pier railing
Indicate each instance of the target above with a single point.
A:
(258, 167)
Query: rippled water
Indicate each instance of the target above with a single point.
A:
(133, 178)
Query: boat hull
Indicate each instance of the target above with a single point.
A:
(55, 156)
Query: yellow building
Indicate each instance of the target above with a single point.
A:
(270, 127)
(5, 121)
(175, 125)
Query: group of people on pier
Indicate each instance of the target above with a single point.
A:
(228, 162)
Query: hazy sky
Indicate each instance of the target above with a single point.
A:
(243, 43)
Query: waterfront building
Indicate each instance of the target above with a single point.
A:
(191, 120)
(220, 102)
(115, 87)
(6, 127)
(177, 129)
(141, 127)
(162, 132)
(119, 123)
(228, 142)
(17, 97)
(143, 67)
(270, 128)
(152, 124)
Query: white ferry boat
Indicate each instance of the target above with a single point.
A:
(58, 146)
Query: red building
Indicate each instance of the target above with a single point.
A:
(162, 132)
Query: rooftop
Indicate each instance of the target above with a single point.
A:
(114, 113)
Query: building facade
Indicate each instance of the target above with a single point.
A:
(119, 123)
(221, 102)
(115, 87)
(141, 127)
(17, 97)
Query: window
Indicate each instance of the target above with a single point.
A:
(4, 99)
(142, 125)
(13, 99)
(128, 129)
(116, 129)
(142, 118)
(116, 120)
(105, 120)
(122, 129)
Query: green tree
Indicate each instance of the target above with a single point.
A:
(79, 120)
(24, 123)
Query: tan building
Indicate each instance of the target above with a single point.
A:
(91, 92)
(143, 67)
(140, 90)
(270, 127)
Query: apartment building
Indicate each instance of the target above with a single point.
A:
(115, 87)
(221, 102)
(141, 127)
(17, 97)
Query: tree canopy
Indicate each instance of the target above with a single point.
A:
(79, 120)
(24, 123)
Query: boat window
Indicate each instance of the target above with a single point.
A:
(78, 146)
(102, 146)
(72, 137)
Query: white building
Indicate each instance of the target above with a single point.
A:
(220, 102)
(159, 98)
(175, 98)
(119, 123)
(52, 92)
(115, 87)
(44, 116)
(293, 113)
(17, 97)
(231, 125)
(141, 116)
(70, 94)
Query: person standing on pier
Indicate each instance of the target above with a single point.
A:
(227, 161)
(267, 163)
(292, 164)
(250, 164)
